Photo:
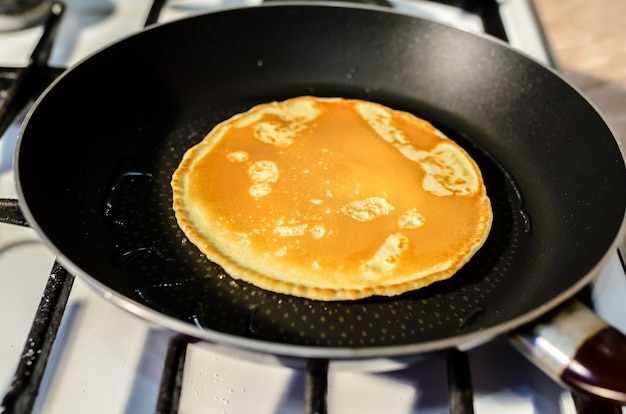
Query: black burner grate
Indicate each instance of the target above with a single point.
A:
(22, 85)
(18, 86)
(25, 386)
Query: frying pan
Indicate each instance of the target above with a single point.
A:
(97, 151)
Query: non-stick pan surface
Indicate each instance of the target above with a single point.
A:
(97, 152)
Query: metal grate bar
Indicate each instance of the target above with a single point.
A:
(172, 377)
(31, 80)
(30, 370)
(11, 213)
(155, 12)
(461, 393)
(315, 386)
(492, 21)
(467, 5)
(621, 253)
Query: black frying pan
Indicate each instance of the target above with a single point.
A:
(97, 152)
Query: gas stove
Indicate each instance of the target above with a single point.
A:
(105, 360)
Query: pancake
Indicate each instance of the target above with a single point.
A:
(332, 199)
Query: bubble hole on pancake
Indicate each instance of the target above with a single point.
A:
(332, 199)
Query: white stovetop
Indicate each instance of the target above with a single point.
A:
(107, 361)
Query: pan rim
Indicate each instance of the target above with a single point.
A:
(463, 342)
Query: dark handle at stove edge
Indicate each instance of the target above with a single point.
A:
(11, 213)
(578, 349)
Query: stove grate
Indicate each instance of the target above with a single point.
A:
(23, 391)
(461, 392)
(22, 84)
(172, 377)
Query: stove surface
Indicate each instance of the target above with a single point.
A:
(108, 361)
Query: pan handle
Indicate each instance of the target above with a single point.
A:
(578, 349)
(11, 213)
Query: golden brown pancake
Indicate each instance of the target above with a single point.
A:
(332, 199)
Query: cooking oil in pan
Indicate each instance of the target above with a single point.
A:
(111, 204)
(174, 278)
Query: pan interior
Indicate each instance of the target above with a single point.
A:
(171, 276)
